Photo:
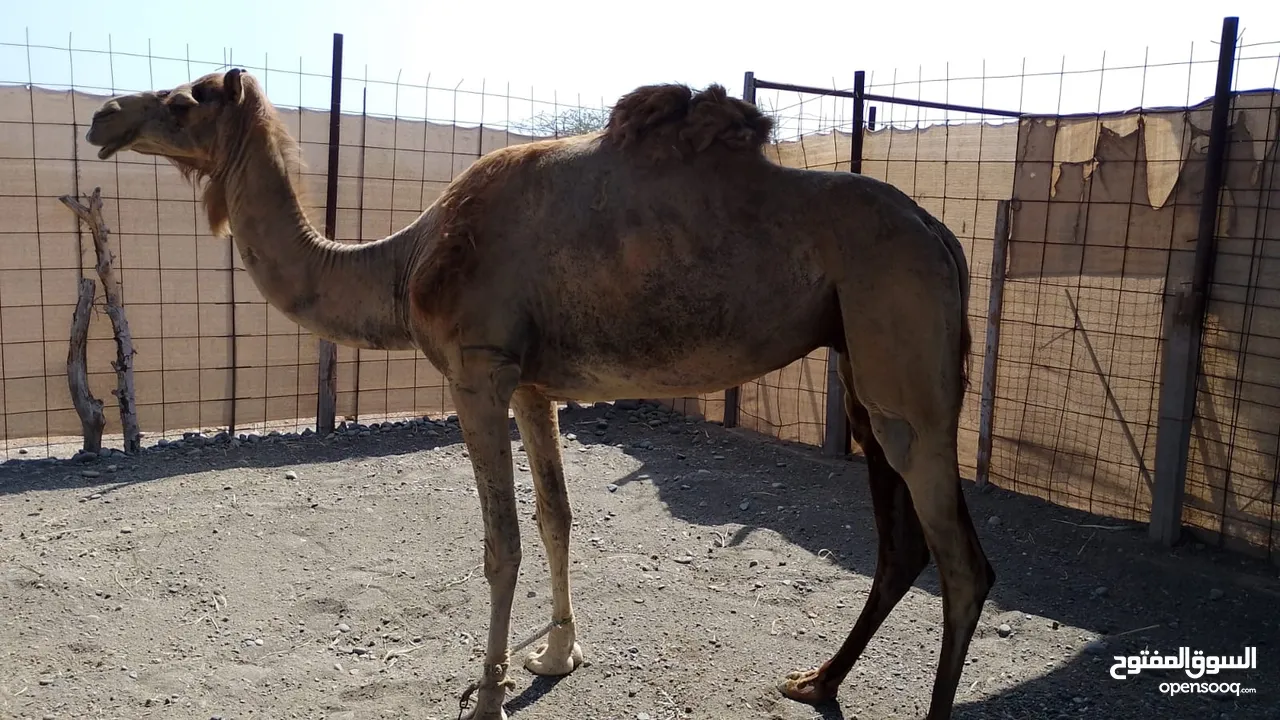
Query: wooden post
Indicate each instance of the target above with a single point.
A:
(327, 383)
(92, 217)
(732, 396)
(88, 407)
(1181, 351)
(991, 357)
(837, 440)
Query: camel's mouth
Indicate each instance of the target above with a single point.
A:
(108, 133)
(109, 146)
(108, 150)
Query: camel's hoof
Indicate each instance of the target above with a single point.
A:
(807, 686)
(553, 664)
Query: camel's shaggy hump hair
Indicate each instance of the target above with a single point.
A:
(665, 119)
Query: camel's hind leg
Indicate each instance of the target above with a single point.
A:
(539, 428)
(902, 555)
(907, 366)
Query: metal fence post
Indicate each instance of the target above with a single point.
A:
(837, 440)
(995, 303)
(1181, 352)
(327, 389)
(732, 409)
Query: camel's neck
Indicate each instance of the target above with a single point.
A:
(350, 294)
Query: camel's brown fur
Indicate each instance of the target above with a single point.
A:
(664, 256)
(448, 263)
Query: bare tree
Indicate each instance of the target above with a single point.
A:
(580, 120)
(565, 122)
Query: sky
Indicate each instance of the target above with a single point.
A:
(526, 58)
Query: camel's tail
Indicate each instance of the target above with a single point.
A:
(954, 247)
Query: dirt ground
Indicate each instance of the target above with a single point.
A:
(293, 577)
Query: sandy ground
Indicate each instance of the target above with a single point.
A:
(298, 578)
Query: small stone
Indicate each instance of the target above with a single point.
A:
(1100, 591)
(343, 627)
(753, 563)
(746, 505)
(994, 520)
(95, 496)
(638, 601)
(642, 716)
(290, 475)
(126, 530)
(113, 468)
(90, 473)
(612, 487)
(1216, 594)
(1004, 630)
(684, 559)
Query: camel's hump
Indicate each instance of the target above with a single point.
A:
(662, 117)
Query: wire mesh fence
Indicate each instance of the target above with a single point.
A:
(212, 353)
(1103, 163)
(1104, 166)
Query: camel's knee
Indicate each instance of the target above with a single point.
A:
(502, 557)
(555, 517)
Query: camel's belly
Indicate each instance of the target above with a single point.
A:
(644, 358)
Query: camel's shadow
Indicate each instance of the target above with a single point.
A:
(540, 686)
(1050, 561)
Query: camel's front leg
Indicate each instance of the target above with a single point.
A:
(540, 430)
(482, 397)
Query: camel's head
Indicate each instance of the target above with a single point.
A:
(181, 124)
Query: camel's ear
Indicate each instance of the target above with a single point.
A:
(233, 86)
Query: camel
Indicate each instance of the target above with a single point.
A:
(663, 256)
